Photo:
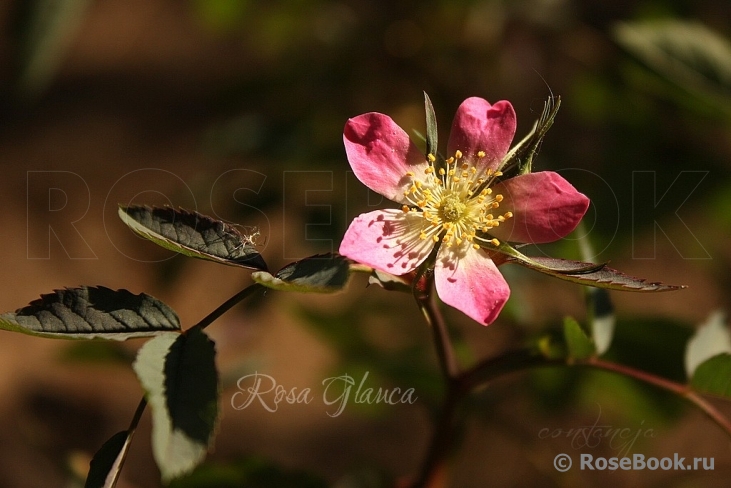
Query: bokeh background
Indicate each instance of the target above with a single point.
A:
(236, 108)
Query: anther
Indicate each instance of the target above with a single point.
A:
(431, 157)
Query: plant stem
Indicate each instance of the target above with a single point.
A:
(442, 341)
(440, 442)
(426, 300)
(205, 322)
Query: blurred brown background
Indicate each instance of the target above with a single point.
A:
(235, 108)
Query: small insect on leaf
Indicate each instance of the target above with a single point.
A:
(195, 235)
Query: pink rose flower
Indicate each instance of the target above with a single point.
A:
(461, 206)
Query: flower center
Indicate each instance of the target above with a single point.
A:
(455, 202)
(452, 208)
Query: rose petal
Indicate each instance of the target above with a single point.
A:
(387, 240)
(471, 283)
(545, 208)
(479, 126)
(380, 153)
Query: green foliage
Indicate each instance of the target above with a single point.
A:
(714, 376)
(179, 376)
(578, 344)
(246, 473)
(48, 32)
(92, 313)
(193, 234)
(685, 53)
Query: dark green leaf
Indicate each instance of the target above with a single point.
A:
(714, 376)
(178, 373)
(432, 136)
(578, 344)
(92, 312)
(106, 463)
(193, 234)
(325, 273)
(600, 276)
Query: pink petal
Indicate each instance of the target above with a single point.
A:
(471, 283)
(479, 126)
(380, 153)
(545, 208)
(387, 240)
